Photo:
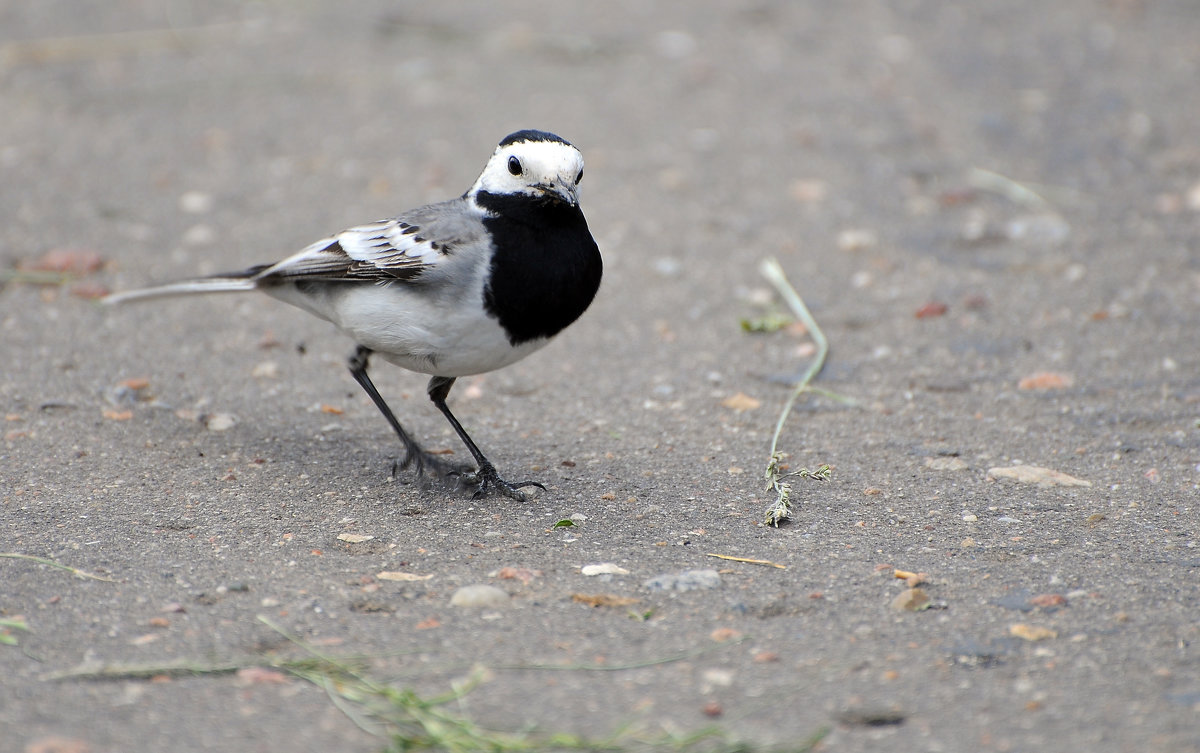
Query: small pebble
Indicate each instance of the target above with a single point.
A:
(1032, 474)
(1031, 633)
(196, 202)
(219, 421)
(265, 370)
(931, 310)
(717, 678)
(605, 568)
(856, 240)
(1046, 380)
(1049, 601)
(668, 266)
(479, 595)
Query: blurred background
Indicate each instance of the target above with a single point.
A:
(993, 210)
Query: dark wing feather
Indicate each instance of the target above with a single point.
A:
(388, 250)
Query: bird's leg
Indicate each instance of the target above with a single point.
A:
(413, 454)
(439, 389)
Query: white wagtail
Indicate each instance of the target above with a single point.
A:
(450, 289)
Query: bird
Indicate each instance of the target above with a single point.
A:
(451, 289)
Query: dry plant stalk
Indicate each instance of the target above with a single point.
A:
(781, 508)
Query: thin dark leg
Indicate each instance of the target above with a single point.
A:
(413, 454)
(439, 389)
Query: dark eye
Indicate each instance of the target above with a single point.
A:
(514, 165)
(579, 177)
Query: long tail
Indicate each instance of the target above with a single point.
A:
(226, 283)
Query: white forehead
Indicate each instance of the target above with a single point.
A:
(539, 157)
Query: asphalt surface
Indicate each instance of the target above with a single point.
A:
(965, 198)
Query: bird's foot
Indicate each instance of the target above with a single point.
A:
(429, 468)
(486, 478)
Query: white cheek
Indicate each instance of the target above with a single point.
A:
(502, 183)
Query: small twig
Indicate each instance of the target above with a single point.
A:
(51, 563)
(92, 47)
(1017, 193)
(136, 671)
(747, 560)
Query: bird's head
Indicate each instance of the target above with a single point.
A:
(536, 164)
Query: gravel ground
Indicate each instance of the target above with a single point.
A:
(994, 215)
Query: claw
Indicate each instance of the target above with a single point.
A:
(428, 469)
(489, 478)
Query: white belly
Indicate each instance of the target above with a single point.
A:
(417, 331)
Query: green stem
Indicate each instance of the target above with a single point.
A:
(771, 270)
(52, 563)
